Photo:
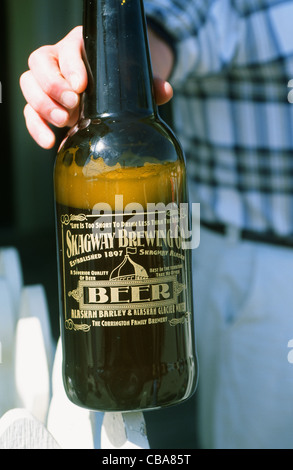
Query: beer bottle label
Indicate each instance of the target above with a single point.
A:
(122, 270)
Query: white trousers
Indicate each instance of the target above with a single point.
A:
(244, 321)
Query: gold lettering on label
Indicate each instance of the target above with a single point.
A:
(131, 288)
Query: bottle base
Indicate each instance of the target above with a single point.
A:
(128, 409)
(131, 395)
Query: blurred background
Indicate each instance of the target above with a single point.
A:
(26, 185)
(27, 215)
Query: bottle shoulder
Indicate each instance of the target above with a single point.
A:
(125, 140)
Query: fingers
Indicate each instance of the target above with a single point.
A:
(70, 60)
(41, 101)
(52, 87)
(40, 111)
(60, 69)
(45, 68)
(38, 128)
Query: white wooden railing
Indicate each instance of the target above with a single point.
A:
(35, 412)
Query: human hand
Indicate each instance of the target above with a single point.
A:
(52, 87)
(53, 84)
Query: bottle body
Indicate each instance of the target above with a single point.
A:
(124, 274)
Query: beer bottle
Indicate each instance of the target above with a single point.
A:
(124, 274)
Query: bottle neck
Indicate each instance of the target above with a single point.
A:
(118, 60)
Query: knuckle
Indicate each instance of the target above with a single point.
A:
(33, 59)
(28, 115)
(26, 110)
(49, 87)
(38, 103)
(36, 57)
(41, 106)
(24, 78)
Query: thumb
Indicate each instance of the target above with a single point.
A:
(163, 91)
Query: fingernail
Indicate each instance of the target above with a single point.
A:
(59, 117)
(74, 81)
(69, 99)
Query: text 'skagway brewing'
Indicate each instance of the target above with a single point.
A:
(124, 274)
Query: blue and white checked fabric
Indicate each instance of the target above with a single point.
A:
(234, 59)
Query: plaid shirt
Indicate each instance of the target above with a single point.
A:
(231, 112)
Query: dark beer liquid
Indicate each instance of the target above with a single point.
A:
(124, 275)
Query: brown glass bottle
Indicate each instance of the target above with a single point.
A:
(124, 275)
